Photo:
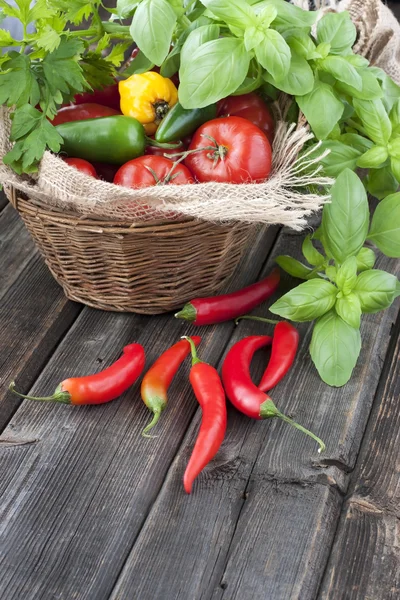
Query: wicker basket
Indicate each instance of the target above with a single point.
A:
(146, 268)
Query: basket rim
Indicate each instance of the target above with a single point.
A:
(76, 220)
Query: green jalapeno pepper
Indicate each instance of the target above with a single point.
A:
(115, 140)
(180, 122)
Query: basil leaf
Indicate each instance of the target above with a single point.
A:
(397, 292)
(125, 8)
(322, 109)
(394, 115)
(195, 39)
(394, 148)
(337, 29)
(370, 87)
(301, 44)
(375, 289)
(311, 254)
(273, 54)
(385, 226)
(172, 63)
(215, 71)
(346, 276)
(140, 64)
(342, 70)
(306, 302)
(345, 220)
(357, 60)
(339, 158)
(395, 166)
(365, 259)
(373, 158)
(358, 142)
(252, 38)
(152, 27)
(349, 309)
(331, 273)
(295, 268)
(375, 120)
(335, 347)
(289, 16)
(234, 12)
(390, 89)
(299, 80)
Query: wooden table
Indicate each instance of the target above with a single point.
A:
(91, 510)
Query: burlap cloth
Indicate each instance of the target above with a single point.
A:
(288, 197)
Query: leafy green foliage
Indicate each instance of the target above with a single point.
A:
(385, 226)
(345, 221)
(344, 284)
(335, 347)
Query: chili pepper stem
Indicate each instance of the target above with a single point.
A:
(268, 410)
(58, 396)
(251, 318)
(188, 313)
(195, 358)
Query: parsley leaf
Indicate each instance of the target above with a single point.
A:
(34, 133)
(18, 84)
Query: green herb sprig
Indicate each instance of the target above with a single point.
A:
(54, 63)
(341, 283)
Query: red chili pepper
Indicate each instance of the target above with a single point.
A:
(159, 377)
(101, 387)
(108, 96)
(208, 389)
(243, 393)
(284, 347)
(207, 311)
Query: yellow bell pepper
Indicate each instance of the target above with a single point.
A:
(147, 97)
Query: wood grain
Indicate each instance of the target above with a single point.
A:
(75, 500)
(34, 315)
(257, 454)
(365, 560)
(16, 247)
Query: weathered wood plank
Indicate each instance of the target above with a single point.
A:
(255, 452)
(365, 561)
(34, 315)
(75, 500)
(3, 200)
(16, 247)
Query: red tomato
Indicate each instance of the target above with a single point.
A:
(251, 107)
(82, 165)
(147, 171)
(108, 96)
(81, 112)
(238, 152)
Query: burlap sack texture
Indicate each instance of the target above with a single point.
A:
(283, 199)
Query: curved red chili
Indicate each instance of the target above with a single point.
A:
(159, 377)
(210, 394)
(207, 311)
(101, 387)
(284, 348)
(243, 393)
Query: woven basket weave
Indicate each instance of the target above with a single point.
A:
(148, 268)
